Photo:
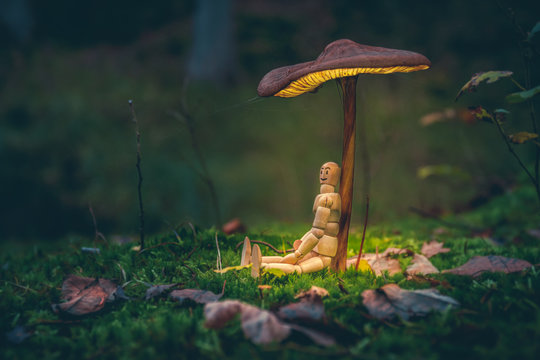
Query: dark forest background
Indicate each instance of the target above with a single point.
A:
(67, 140)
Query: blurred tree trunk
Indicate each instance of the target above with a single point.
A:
(213, 52)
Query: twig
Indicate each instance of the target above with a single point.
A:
(185, 117)
(161, 244)
(363, 233)
(266, 244)
(218, 260)
(516, 156)
(139, 174)
(21, 287)
(97, 234)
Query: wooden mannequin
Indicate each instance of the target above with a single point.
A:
(318, 246)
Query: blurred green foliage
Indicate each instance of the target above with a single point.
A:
(66, 137)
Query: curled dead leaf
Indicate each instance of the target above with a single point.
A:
(390, 300)
(199, 296)
(157, 290)
(85, 295)
(260, 326)
(433, 248)
(492, 263)
(421, 265)
(313, 292)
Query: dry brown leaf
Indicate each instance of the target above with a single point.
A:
(260, 326)
(381, 263)
(309, 309)
(156, 290)
(234, 226)
(396, 251)
(314, 291)
(493, 263)
(385, 264)
(199, 296)
(421, 265)
(390, 300)
(433, 248)
(85, 295)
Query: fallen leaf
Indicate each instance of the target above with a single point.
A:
(260, 326)
(156, 290)
(396, 251)
(199, 296)
(264, 287)
(232, 268)
(316, 336)
(18, 334)
(309, 309)
(492, 263)
(85, 295)
(421, 265)
(385, 264)
(476, 79)
(234, 226)
(276, 272)
(522, 137)
(390, 300)
(378, 264)
(433, 248)
(314, 291)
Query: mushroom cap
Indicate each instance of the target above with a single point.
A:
(340, 58)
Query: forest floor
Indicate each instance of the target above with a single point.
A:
(493, 315)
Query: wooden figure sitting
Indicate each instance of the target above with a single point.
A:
(318, 246)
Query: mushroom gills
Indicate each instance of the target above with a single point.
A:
(310, 82)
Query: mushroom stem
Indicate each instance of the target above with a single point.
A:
(348, 84)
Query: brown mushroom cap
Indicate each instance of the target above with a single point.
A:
(340, 58)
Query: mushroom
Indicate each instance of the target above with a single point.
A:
(342, 60)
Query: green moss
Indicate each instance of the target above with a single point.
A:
(499, 315)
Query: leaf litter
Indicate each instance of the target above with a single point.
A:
(390, 301)
(196, 295)
(492, 263)
(433, 248)
(84, 295)
(264, 327)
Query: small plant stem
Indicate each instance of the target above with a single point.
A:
(517, 84)
(218, 260)
(527, 60)
(139, 175)
(511, 149)
(363, 233)
(97, 233)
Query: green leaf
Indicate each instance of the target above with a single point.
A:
(442, 170)
(501, 114)
(534, 30)
(488, 76)
(275, 272)
(522, 95)
(522, 137)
